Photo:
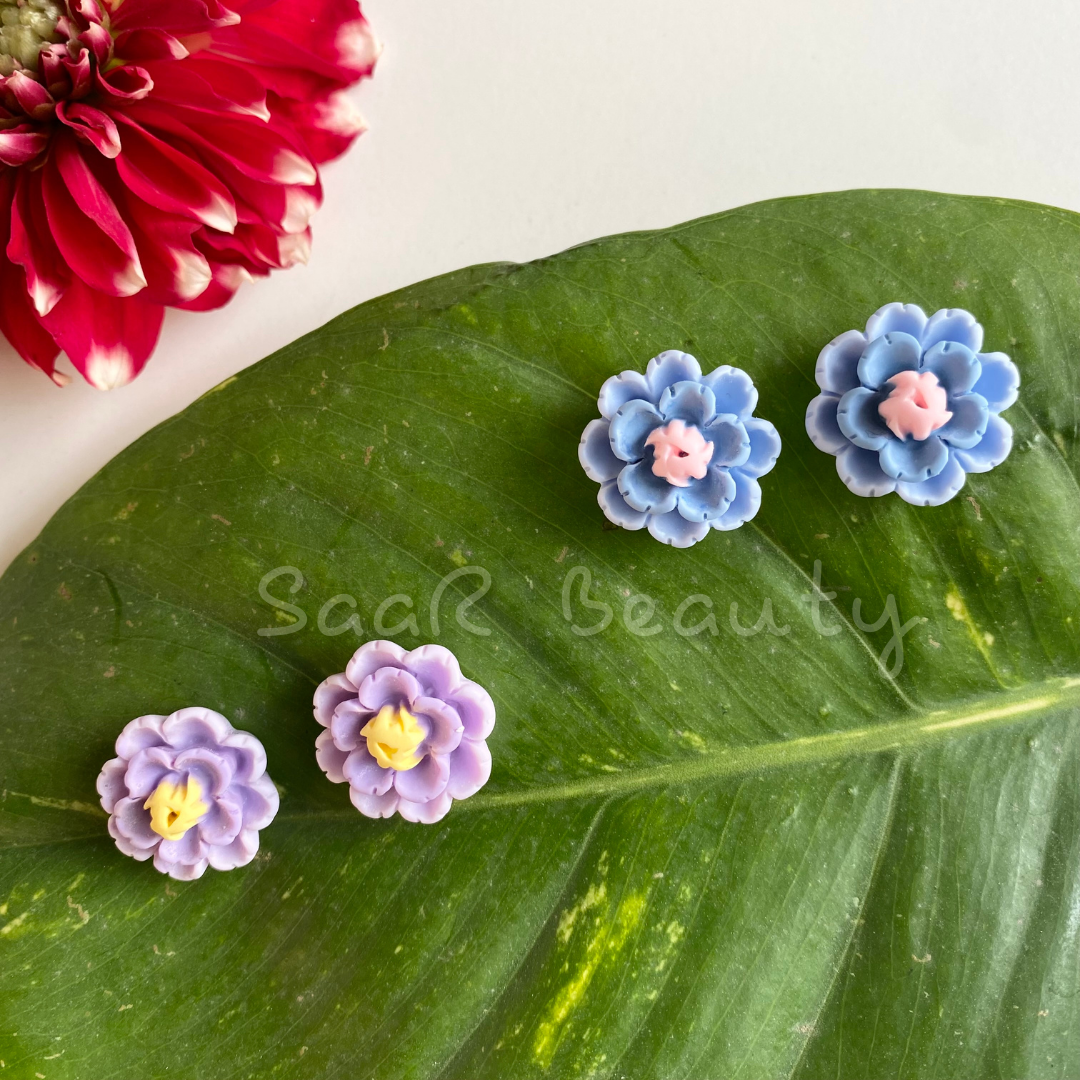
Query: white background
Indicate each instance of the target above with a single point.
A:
(509, 129)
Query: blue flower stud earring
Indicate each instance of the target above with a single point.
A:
(678, 452)
(912, 404)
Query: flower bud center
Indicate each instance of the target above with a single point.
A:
(916, 405)
(680, 453)
(174, 809)
(393, 737)
(26, 27)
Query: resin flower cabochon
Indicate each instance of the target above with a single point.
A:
(677, 452)
(406, 730)
(912, 404)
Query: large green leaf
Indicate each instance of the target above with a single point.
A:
(698, 856)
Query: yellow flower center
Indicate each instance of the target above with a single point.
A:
(174, 809)
(393, 737)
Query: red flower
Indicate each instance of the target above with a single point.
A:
(158, 153)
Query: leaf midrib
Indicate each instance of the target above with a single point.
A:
(914, 731)
(917, 730)
(920, 729)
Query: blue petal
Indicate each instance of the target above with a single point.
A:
(645, 491)
(913, 460)
(991, 450)
(670, 367)
(691, 402)
(896, 319)
(858, 418)
(838, 363)
(708, 498)
(861, 471)
(744, 506)
(957, 368)
(675, 530)
(999, 382)
(953, 324)
(630, 427)
(620, 389)
(617, 510)
(969, 417)
(734, 389)
(731, 444)
(594, 453)
(764, 447)
(938, 489)
(887, 355)
(821, 424)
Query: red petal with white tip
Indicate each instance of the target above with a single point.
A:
(330, 38)
(21, 326)
(18, 147)
(150, 45)
(31, 246)
(329, 126)
(234, 84)
(107, 338)
(172, 180)
(91, 125)
(128, 83)
(227, 278)
(176, 271)
(32, 97)
(184, 87)
(18, 322)
(88, 229)
(258, 150)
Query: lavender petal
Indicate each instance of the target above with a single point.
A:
(140, 734)
(133, 823)
(246, 754)
(436, 668)
(188, 849)
(470, 767)
(372, 656)
(365, 774)
(329, 694)
(331, 760)
(110, 783)
(375, 806)
(212, 771)
(443, 724)
(147, 769)
(346, 723)
(181, 871)
(237, 853)
(126, 846)
(425, 813)
(426, 781)
(222, 822)
(388, 686)
(195, 727)
(261, 801)
(476, 709)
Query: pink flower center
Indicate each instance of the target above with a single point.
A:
(916, 406)
(679, 453)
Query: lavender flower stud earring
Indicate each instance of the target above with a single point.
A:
(189, 791)
(911, 405)
(678, 452)
(406, 730)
